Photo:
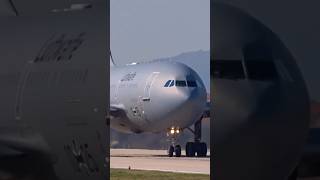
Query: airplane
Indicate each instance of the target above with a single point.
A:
(261, 107)
(158, 96)
(54, 89)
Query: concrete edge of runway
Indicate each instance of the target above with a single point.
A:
(144, 152)
(156, 160)
(166, 170)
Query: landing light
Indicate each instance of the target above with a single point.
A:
(172, 131)
(177, 131)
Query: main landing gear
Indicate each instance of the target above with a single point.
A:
(196, 148)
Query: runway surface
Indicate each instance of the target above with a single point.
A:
(141, 159)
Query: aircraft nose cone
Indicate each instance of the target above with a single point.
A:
(184, 94)
(192, 101)
(190, 95)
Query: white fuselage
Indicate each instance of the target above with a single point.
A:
(155, 96)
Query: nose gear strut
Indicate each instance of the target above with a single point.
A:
(197, 147)
(172, 134)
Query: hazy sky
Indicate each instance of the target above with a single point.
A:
(143, 30)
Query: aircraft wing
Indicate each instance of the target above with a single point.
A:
(117, 111)
(119, 119)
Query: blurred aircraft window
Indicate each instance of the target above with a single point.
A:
(261, 70)
(172, 83)
(180, 83)
(167, 83)
(192, 84)
(227, 69)
(259, 62)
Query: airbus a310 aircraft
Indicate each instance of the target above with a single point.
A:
(156, 97)
(261, 104)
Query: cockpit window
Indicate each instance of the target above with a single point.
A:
(227, 69)
(180, 83)
(261, 70)
(167, 83)
(172, 83)
(192, 83)
(259, 62)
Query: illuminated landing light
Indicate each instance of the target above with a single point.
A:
(174, 130)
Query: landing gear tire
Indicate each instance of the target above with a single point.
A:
(196, 147)
(190, 150)
(170, 151)
(202, 150)
(193, 148)
(177, 150)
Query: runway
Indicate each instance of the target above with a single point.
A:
(141, 159)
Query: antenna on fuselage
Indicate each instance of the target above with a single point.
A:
(112, 61)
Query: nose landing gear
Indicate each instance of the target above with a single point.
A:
(197, 147)
(174, 148)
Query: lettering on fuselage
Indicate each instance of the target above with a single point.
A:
(129, 77)
(59, 49)
(128, 85)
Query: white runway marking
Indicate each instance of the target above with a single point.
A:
(141, 159)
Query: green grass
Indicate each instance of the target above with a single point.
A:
(124, 174)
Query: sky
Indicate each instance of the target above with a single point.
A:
(143, 30)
